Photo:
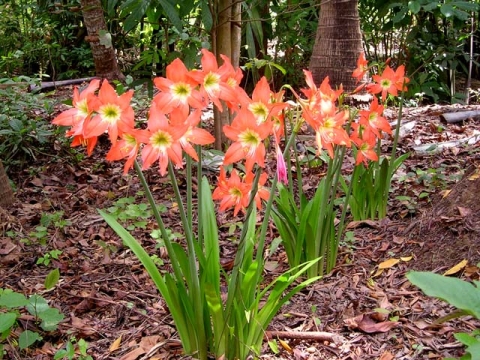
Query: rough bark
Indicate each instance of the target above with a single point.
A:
(338, 43)
(6, 192)
(103, 56)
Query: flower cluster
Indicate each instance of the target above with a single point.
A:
(321, 112)
(175, 113)
(173, 120)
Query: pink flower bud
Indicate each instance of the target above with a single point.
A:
(281, 167)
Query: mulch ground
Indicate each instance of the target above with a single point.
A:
(366, 302)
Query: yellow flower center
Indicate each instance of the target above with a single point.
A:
(161, 140)
(181, 91)
(110, 113)
(260, 111)
(211, 81)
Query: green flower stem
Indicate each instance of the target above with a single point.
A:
(188, 173)
(168, 244)
(194, 281)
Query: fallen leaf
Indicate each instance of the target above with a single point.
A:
(475, 175)
(406, 258)
(116, 344)
(362, 223)
(456, 268)
(387, 355)
(365, 323)
(387, 264)
(464, 211)
(446, 193)
(285, 345)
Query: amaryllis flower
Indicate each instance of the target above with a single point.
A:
(82, 109)
(248, 138)
(389, 82)
(89, 143)
(262, 105)
(262, 192)
(232, 78)
(127, 147)
(374, 120)
(362, 68)
(163, 141)
(320, 99)
(193, 134)
(212, 80)
(365, 152)
(231, 192)
(329, 130)
(178, 90)
(113, 114)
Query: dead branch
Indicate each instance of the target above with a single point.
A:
(456, 117)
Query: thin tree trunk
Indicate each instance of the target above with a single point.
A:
(6, 192)
(338, 43)
(103, 55)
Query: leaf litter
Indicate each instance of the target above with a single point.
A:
(356, 312)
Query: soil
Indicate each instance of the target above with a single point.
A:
(366, 304)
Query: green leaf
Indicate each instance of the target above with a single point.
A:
(10, 300)
(447, 10)
(37, 305)
(456, 292)
(105, 38)
(50, 319)
(207, 19)
(414, 6)
(52, 279)
(27, 338)
(7, 320)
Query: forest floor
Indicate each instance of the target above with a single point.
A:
(366, 302)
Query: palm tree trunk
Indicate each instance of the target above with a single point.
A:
(103, 55)
(338, 43)
(6, 192)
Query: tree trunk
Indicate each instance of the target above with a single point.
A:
(103, 55)
(6, 192)
(226, 40)
(338, 43)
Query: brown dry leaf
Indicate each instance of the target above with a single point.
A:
(116, 344)
(365, 323)
(455, 269)
(133, 355)
(387, 264)
(6, 246)
(475, 175)
(387, 355)
(464, 212)
(362, 223)
(446, 193)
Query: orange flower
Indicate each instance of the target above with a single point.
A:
(374, 120)
(232, 192)
(329, 130)
(128, 147)
(82, 109)
(193, 134)
(262, 106)
(248, 138)
(232, 78)
(163, 141)
(89, 143)
(365, 152)
(262, 192)
(213, 80)
(389, 81)
(178, 90)
(114, 114)
(362, 68)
